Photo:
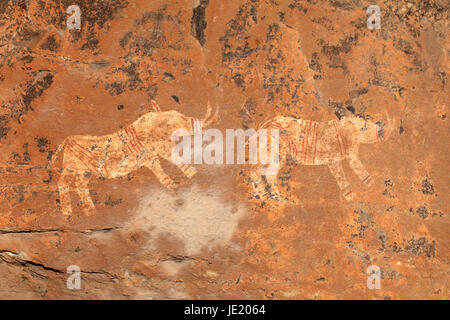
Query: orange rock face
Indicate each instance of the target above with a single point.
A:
(91, 92)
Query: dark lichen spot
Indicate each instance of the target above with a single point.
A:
(351, 109)
(176, 99)
(42, 143)
(427, 187)
(339, 109)
(94, 12)
(296, 5)
(389, 274)
(168, 76)
(321, 279)
(254, 14)
(239, 80)
(364, 222)
(3, 126)
(111, 202)
(315, 63)
(51, 44)
(421, 246)
(344, 5)
(358, 92)
(115, 88)
(91, 44)
(124, 41)
(422, 212)
(3, 6)
(27, 59)
(198, 22)
(344, 46)
(36, 88)
(49, 172)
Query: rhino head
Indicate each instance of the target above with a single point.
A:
(190, 126)
(366, 131)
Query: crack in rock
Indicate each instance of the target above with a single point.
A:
(15, 259)
(87, 231)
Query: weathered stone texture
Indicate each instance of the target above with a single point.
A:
(214, 236)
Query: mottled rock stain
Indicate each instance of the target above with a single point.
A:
(226, 232)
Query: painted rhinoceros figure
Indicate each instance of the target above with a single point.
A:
(140, 144)
(307, 142)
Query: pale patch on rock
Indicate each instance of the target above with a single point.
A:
(172, 267)
(289, 294)
(197, 218)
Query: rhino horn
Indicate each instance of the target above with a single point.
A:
(209, 119)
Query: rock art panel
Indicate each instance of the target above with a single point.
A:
(352, 97)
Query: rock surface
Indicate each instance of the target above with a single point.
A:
(214, 237)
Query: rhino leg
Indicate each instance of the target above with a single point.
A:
(82, 183)
(187, 170)
(338, 173)
(64, 193)
(156, 168)
(360, 171)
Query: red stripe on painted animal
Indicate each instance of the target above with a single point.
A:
(265, 124)
(130, 150)
(155, 106)
(338, 137)
(316, 125)
(344, 145)
(91, 164)
(130, 140)
(89, 155)
(307, 142)
(278, 125)
(367, 179)
(292, 148)
(125, 143)
(310, 134)
(86, 152)
(303, 137)
(186, 169)
(271, 124)
(79, 157)
(72, 147)
(136, 137)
